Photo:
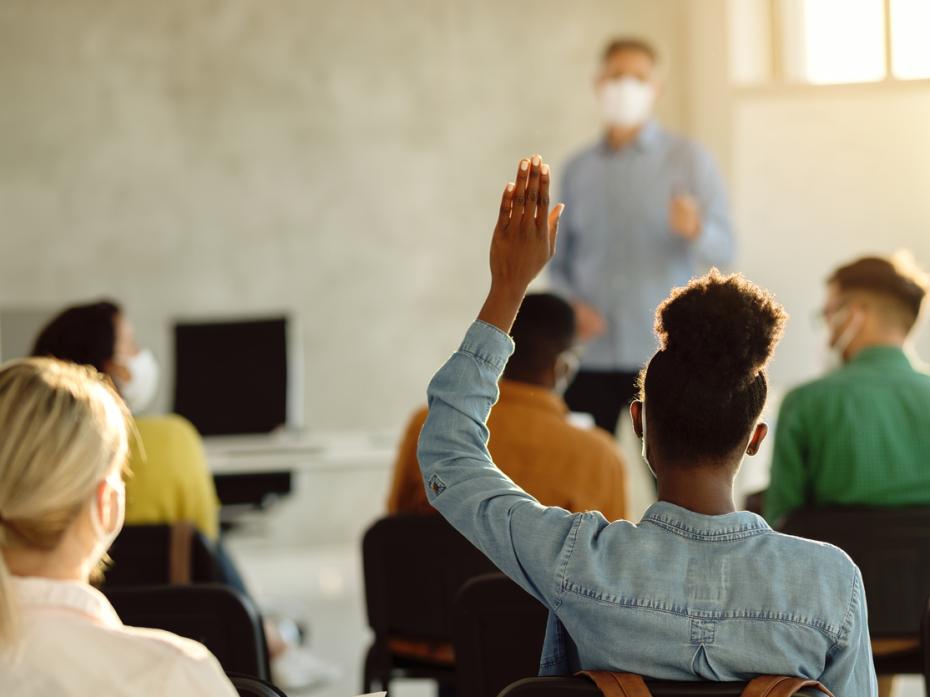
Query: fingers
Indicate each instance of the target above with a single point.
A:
(542, 204)
(554, 218)
(532, 189)
(506, 206)
(519, 193)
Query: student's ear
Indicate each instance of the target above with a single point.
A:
(758, 435)
(636, 415)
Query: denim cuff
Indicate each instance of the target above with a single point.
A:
(488, 344)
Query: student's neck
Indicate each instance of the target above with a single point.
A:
(619, 137)
(884, 339)
(55, 567)
(705, 490)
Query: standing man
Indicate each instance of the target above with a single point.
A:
(645, 211)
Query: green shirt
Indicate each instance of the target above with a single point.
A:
(860, 435)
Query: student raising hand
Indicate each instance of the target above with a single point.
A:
(523, 242)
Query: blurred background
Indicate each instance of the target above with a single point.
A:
(339, 164)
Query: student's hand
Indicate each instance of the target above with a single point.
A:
(523, 242)
(589, 323)
(684, 217)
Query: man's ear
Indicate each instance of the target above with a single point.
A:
(758, 435)
(636, 415)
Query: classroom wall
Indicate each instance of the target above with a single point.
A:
(341, 161)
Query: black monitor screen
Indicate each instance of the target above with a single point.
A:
(231, 377)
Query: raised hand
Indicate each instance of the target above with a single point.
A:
(524, 241)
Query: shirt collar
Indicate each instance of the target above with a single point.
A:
(648, 135)
(882, 355)
(687, 523)
(67, 595)
(532, 396)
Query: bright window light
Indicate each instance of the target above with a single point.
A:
(844, 40)
(910, 25)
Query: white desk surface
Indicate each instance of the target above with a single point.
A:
(312, 451)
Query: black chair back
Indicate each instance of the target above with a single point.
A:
(498, 632)
(247, 686)
(221, 619)
(149, 555)
(891, 546)
(582, 687)
(414, 567)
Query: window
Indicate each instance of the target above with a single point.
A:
(823, 42)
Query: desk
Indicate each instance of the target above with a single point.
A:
(325, 487)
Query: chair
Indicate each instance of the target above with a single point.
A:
(498, 631)
(219, 618)
(414, 567)
(151, 555)
(247, 686)
(891, 546)
(925, 646)
(582, 687)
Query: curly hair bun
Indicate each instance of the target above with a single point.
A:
(721, 324)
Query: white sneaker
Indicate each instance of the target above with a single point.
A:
(299, 669)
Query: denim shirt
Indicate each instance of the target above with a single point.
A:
(680, 596)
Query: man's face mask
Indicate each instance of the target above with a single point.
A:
(626, 101)
(566, 368)
(843, 325)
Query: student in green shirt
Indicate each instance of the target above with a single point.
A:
(861, 434)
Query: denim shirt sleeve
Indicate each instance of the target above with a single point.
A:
(849, 669)
(529, 542)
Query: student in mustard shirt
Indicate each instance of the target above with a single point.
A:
(532, 439)
(170, 480)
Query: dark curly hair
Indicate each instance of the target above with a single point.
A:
(83, 334)
(706, 385)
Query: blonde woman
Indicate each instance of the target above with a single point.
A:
(63, 446)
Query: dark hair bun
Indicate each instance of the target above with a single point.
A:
(724, 325)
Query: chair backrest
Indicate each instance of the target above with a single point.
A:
(248, 686)
(161, 554)
(498, 630)
(221, 619)
(582, 687)
(891, 546)
(414, 567)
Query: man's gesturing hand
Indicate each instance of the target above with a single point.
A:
(524, 241)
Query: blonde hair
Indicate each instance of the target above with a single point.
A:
(64, 429)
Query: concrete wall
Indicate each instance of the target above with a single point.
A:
(338, 160)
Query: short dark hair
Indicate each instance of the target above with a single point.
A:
(706, 385)
(630, 43)
(896, 278)
(83, 334)
(544, 328)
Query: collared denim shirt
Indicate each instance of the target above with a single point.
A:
(680, 596)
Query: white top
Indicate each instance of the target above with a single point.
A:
(72, 643)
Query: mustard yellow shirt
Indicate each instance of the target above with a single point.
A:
(534, 444)
(170, 481)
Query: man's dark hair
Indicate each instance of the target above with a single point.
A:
(544, 328)
(84, 334)
(630, 43)
(706, 385)
(896, 278)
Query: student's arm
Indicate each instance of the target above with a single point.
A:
(407, 494)
(788, 483)
(716, 245)
(849, 669)
(527, 541)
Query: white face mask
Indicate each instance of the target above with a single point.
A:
(835, 357)
(566, 370)
(139, 390)
(105, 537)
(627, 102)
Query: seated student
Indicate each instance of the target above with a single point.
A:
(696, 590)
(61, 504)
(170, 480)
(531, 437)
(861, 434)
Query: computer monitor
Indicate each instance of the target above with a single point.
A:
(235, 377)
